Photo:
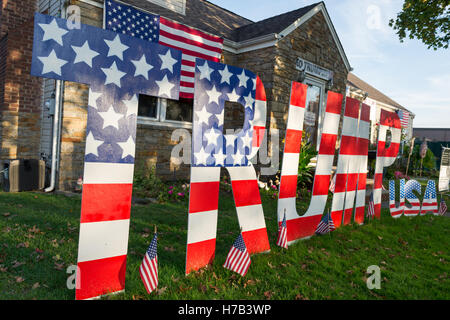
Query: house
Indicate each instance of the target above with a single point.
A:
(363, 91)
(49, 119)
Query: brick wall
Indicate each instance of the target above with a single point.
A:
(20, 103)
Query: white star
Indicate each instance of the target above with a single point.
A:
(230, 140)
(132, 106)
(214, 95)
(220, 117)
(111, 118)
(167, 61)
(84, 54)
(116, 47)
(237, 158)
(52, 63)
(226, 75)
(113, 75)
(233, 96)
(92, 144)
(220, 158)
(53, 32)
(242, 79)
(211, 136)
(246, 139)
(164, 87)
(203, 116)
(201, 156)
(142, 67)
(93, 97)
(248, 100)
(205, 71)
(128, 147)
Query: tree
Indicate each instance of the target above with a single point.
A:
(426, 20)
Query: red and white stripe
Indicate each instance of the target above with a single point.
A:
(304, 226)
(404, 120)
(204, 200)
(348, 166)
(105, 221)
(282, 235)
(362, 150)
(149, 272)
(238, 261)
(429, 204)
(385, 156)
(193, 44)
(415, 203)
(397, 211)
(104, 227)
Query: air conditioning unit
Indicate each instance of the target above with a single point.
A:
(23, 175)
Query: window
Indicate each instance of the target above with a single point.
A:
(314, 110)
(179, 110)
(167, 112)
(148, 106)
(234, 115)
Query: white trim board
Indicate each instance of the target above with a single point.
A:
(93, 3)
(319, 8)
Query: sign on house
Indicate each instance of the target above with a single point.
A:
(313, 69)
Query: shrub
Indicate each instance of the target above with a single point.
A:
(147, 184)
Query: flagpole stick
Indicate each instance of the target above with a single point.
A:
(329, 212)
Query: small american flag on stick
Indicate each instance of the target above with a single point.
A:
(149, 266)
(333, 183)
(371, 209)
(282, 233)
(238, 259)
(442, 207)
(326, 225)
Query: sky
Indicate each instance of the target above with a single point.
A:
(414, 76)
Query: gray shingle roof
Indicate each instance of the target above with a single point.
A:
(374, 93)
(274, 24)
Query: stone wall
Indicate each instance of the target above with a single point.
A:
(74, 115)
(274, 65)
(312, 41)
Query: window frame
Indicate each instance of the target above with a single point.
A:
(160, 120)
(311, 80)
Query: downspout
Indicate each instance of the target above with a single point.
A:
(56, 136)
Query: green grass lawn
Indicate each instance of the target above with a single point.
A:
(39, 239)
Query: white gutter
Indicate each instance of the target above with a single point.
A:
(264, 41)
(56, 137)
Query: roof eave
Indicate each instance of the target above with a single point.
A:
(320, 7)
(264, 41)
(272, 38)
